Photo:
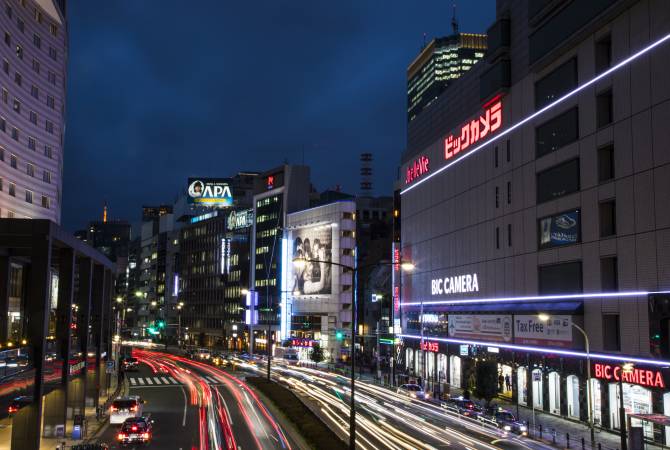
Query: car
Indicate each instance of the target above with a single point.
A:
(129, 363)
(125, 408)
(203, 353)
(136, 430)
(505, 420)
(18, 403)
(413, 391)
(464, 407)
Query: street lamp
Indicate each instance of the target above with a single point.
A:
(545, 318)
(300, 263)
(625, 368)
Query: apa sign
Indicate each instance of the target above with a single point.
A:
(643, 377)
(454, 285)
(211, 192)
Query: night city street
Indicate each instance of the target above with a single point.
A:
(328, 225)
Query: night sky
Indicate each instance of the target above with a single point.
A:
(159, 91)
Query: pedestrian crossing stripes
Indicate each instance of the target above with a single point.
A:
(165, 381)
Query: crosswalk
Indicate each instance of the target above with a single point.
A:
(164, 381)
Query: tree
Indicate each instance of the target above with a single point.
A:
(317, 353)
(486, 374)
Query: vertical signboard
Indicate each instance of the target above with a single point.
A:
(395, 286)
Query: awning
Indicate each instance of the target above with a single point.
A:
(653, 418)
(568, 307)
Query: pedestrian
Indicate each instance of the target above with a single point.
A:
(501, 382)
(508, 383)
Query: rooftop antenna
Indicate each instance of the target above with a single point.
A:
(454, 21)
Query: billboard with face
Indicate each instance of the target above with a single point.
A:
(315, 245)
(211, 192)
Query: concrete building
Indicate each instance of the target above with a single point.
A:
(549, 178)
(32, 110)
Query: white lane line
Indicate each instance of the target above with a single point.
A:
(133, 381)
(149, 380)
(157, 380)
(140, 380)
(165, 380)
(225, 405)
(173, 381)
(183, 422)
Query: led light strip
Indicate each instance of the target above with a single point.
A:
(535, 297)
(549, 350)
(541, 111)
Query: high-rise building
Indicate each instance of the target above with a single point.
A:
(32, 108)
(440, 62)
(536, 211)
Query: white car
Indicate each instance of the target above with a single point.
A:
(203, 353)
(413, 391)
(124, 408)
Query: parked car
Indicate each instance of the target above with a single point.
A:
(413, 391)
(18, 403)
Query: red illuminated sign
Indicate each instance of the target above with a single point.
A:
(297, 342)
(475, 130)
(417, 169)
(270, 181)
(430, 346)
(643, 377)
(396, 288)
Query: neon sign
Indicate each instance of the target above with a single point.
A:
(430, 346)
(270, 182)
(396, 278)
(298, 342)
(417, 169)
(454, 285)
(474, 131)
(643, 377)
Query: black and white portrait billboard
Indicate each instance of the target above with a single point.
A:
(315, 246)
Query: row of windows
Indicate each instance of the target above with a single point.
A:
(30, 168)
(34, 90)
(37, 15)
(11, 190)
(32, 116)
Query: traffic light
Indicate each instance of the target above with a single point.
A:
(152, 330)
(339, 335)
(160, 324)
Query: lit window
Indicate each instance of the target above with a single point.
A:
(45, 202)
(12, 189)
(17, 106)
(19, 51)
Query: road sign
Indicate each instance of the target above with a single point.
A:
(109, 366)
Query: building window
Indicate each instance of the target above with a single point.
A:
(604, 109)
(609, 278)
(509, 151)
(607, 213)
(38, 16)
(603, 53)
(2, 154)
(509, 192)
(497, 237)
(8, 38)
(33, 117)
(3, 124)
(554, 85)
(563, 278)
(13, 161)
(509, 234)
(51, 77)
(19, 51)
(17, 78)
(53, 29)
(17, 106)
(611, 332)
(45, 202)
(52, 53)
(30, 170)
(8, 10)
(32, 144)
(37, 41)
(497, 197)
(12, 189)
(35, 91)
(0, 184)
(29, 196)
(5, 66)
(558, 181)
(51, 103)
(49, 126)
(606, 163)
(46, 177)
(36, 65)
(557, 132)
(21, 24)
(15, 133)
(48, 152)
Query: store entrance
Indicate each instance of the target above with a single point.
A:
(636, 400)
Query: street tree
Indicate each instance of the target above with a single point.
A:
(486, 375)
(317, 353)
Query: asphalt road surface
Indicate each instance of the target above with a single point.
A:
(198, 406)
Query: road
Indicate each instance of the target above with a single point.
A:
(198, 406)
(388, 420)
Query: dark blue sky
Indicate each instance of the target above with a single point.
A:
(158, 92)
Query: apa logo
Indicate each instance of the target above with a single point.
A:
(417, 169)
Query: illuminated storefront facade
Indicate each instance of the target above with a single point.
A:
(555, 206)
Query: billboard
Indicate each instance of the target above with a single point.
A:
(316, 244)
(561, 229)
(485, 327)
(210, 192)
(530, 330)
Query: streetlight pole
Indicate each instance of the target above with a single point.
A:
(354, 270)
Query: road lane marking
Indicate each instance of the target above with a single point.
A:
(157, 380)
(173, 381)
(141, 380)
(149, 381)
(165, 380)
(133, 381)
(183, 422)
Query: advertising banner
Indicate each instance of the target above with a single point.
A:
(485, 327)
(314, 244)
(561, 229)
(210, 192)
(556, 332)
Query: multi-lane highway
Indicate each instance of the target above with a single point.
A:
(198, 406)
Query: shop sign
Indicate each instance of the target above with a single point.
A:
(485, 327)
(298, 342)
(240, 219)
(417, 169)
(430, 346)
(454, 285)
(464, 350)
(530, 330)
(643, 377)
(561, 229)
(474, 131)
(74, 369)
(395, 277)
